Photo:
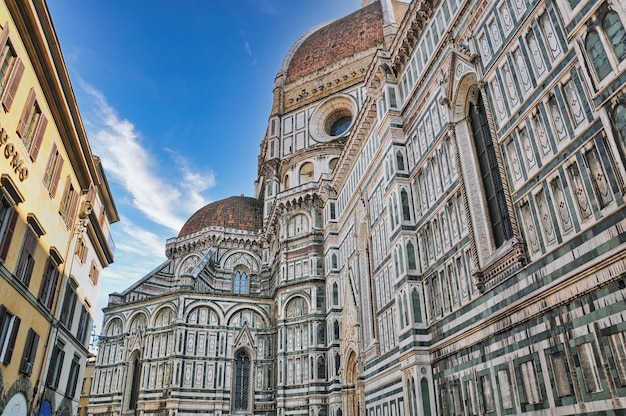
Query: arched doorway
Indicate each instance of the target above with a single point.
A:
(352, 385)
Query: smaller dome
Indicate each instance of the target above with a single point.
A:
(239, 212)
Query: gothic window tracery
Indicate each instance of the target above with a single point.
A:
(298, 225)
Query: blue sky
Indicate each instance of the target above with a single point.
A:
(175, 96)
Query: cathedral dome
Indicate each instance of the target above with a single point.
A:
(334, 41)
(239, 212)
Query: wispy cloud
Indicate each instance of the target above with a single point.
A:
(247, 47)
(167, 202)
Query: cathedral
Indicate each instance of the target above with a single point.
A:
(438, 228)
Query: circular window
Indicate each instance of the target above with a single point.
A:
(338, 126)
(333, 118)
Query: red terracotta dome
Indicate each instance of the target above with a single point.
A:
(335, 41)
(239, 212)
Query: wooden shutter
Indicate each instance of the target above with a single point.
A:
(14, 81)
(24, 267)
(56, 176)
(11, 346)
(30, 351)
(71, 213)
(26, 114)
(44, 281)
(8, 235)
(4, 36)
(59, 368)
(38, 136)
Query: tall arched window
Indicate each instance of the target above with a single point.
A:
(490, 173)
(400, 161)
(410, 255)
(598, 56)
(417, 310)
(134, 385)
(616, 34)
(306, 173)
(240, 282)
(406, 208)
(298, 224)
(336, 330)
(412, 397)
(321, 334)
(425, 396)
(241, 390)
(321, 367)
(335, 294)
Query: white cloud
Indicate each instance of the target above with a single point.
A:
(165, 201)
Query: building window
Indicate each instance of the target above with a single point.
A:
(306, 173)
(94, 273)
(8, 218)
(406, 207)
(490, 173)
(242, 382)
(32, 125)
(69, 202)
(417, 309)
(69, 304)
(616, 34)
(321, 367)
(335, 294)
(26, 261)
(240, 283)
(72, 380)
(298, 225)
(49, 284)
(56, 365)
(84, 326)
(134, 389)
(598, 56)
(30, 351)
(53, 171)
(11, 70)
(9, 325)
(81, 251)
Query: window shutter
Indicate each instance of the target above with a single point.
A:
(60, 367)
(3, 315)
(44, 281)
(72, 208)
(64, 207)
(14, 81)
(4, 36)
(53, 287)
(25, 267)
(57, 175)
(8, 235)
(38, 136)
(28, 110)
(30, 350)
(11, 346)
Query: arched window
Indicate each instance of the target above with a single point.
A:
(321, 367)
(320, 298)
(410, 255)
(401, 312)
(417, 310)
(335, 294)
(241, 390)
(321, 334)
(333, 164)
(298, 225)
(406, 208)
(240, 283)
(306, 173)
(286, 182)
(134, 385)
(425, 396)
(614, 29)
(490, 173)
(400, 160)
(412, 397)
(336, 330)
(337, 365)
(598, 56)
(333, 260)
